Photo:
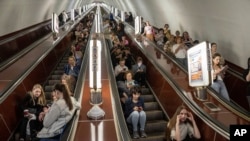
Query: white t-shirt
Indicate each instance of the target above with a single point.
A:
(185, 129)
(148, 29)
(181, 53)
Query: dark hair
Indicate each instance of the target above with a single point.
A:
(138, 58)
(66, 94)
(136, 89)
(213, 44)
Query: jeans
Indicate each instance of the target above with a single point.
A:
(221, 89)
(183, 61)
(136, 117)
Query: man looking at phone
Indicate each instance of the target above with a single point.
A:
(120, 70)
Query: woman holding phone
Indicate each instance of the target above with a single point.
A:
(218, 75)
(182, 125)
(134, 112)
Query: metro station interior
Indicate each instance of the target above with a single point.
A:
(38, 39)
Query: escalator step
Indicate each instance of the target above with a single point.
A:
(61, 64)
(48, 96)
(60, 67)
(145, 91)
(156, 136)
(58, 72)
(49, 88)
(64, 61)
(151, 106)
(56, 77)
(148, 98)
(53, 82)
(154, 115)
(156, 126)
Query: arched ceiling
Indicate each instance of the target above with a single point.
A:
(222, 21)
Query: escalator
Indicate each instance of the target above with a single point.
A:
(156, 117)
(54, 77)
(170, 83)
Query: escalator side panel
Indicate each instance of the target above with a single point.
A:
(9, 109)
(169, 99)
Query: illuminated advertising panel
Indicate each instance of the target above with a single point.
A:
(199, 65)
(95, 64)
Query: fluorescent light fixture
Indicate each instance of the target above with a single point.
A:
(80, 11)
(72, 14)
(116, 12)
(55, 23)
(95, 64)
(122, 16)
(138, 25)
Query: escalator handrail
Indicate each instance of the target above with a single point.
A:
(78, 93)
(114, 90)
(21, 53)
(15, 36)
(119, 116)
(9, 89)
(231, 106)
(217, 126)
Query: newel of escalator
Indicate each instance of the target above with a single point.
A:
(201, 93)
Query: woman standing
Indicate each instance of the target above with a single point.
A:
(149, 31)
(218, 74)
(57, 116)
(183, 124)
(32, 106)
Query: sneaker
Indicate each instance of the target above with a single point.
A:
(136, 135)
(143, 134)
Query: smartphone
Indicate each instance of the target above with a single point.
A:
(223, 69)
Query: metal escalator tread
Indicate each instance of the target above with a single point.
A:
(154, 115)
(154, 136)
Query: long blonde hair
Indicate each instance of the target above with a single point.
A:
(41, 99)
(172, 121)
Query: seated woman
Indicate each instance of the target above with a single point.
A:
(57, 116)
(218, 75)
(72, 68)
(183, 124)
(125, 86)
(32, 106)
(134, 112)
(70, 82)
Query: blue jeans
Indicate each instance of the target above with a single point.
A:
(221, 89)
(183, 61)
(136, 117)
